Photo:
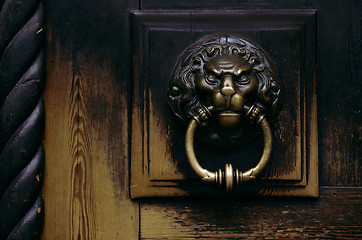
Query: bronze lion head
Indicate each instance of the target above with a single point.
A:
(226, 75)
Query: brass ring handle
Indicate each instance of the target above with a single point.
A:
(229, 177)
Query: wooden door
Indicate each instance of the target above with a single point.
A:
(88, 127)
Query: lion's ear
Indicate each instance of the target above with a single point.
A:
(258, 66)
(196, 63)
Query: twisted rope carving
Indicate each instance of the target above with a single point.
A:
(22, 120)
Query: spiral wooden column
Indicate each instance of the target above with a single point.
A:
(22, 120)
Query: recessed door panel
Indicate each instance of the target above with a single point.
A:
(159, 165)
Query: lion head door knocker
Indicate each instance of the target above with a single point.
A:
(225, 87)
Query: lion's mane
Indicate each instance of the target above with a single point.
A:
(183, 98)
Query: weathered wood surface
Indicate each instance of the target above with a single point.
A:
(339, 91)
(86, 141)
(337, 214)
(86, 184)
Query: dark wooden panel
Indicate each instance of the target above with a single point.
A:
(339, 38)
(337, 214)
(339, 91)
(221, 4)
(339, 87)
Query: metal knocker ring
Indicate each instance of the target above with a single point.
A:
(229, 177)
(224, 86)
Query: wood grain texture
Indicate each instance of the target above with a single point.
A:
(337, 214)
(86, 137)
(339, 89)
(57, 148)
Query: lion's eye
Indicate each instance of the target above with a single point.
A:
(211, 79)
(243, 79)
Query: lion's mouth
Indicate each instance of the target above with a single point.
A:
(228, 118)
(227, 111)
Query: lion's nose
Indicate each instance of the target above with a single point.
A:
(227, 88)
